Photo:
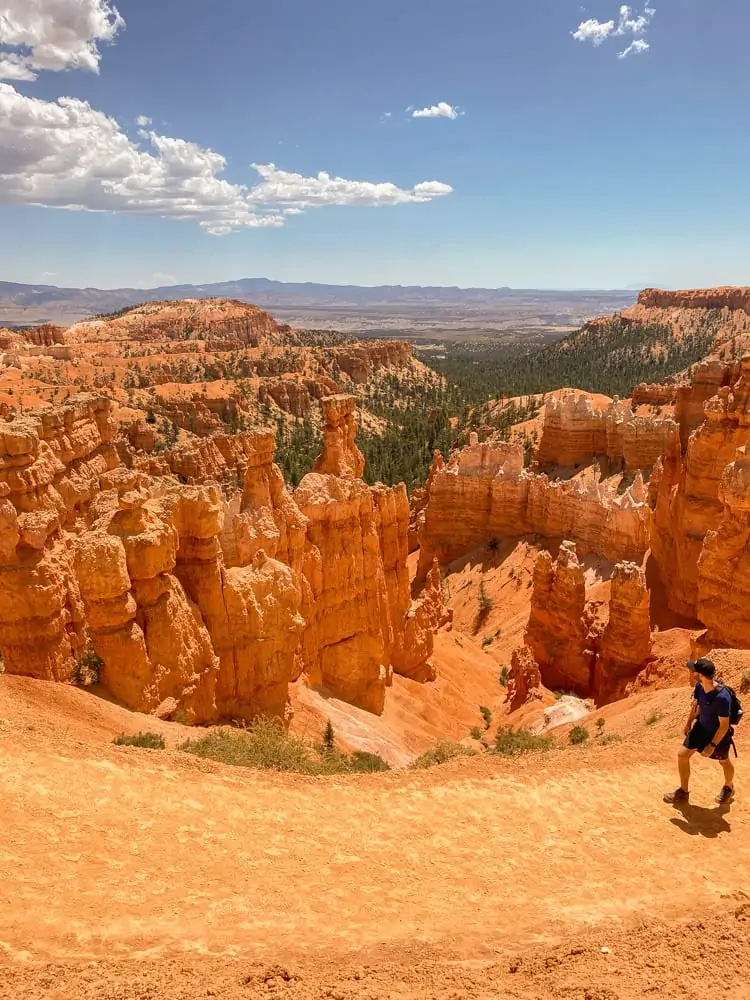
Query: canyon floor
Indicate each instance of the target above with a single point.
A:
(136, 874)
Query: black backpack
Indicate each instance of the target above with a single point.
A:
(735, 712)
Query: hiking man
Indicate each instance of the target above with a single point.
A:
(707, 731)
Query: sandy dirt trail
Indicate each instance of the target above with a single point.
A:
(119, 854)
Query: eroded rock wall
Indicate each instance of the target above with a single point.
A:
(624, 647)
(221, 320)
(524, 679)
(685, 490)
(50, 466)
(340, 455)
(348, 617)
(724, 564)
(359, 361)
(196, 606)
(584, 646)
(579, 428)
(153, 644)
(557, 631)
(484, 493)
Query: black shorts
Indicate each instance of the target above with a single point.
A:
(698, 739)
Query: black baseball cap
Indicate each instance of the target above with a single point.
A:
(703, 666)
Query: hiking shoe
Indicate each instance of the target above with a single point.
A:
(725, 796)
(674, 798)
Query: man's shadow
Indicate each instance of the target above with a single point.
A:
(701, 822)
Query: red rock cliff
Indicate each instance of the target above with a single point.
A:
(484, 493)
(724, 564)
(192, 603)
(624, 647)
(697, 298)
(579, 427)
(685, 491)
(557, 632)
(198, 319)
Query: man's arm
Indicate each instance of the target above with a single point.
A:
(692, 717)
(719, 735)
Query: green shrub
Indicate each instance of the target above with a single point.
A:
(606, 738)
(486, 714)
(363, 762)
(493, 545)
(442, 752)
(265, 744)
(745, 682)
(504, 675)
(332, 761)
(600, 724)
(653, 718)
(578, 734)
(510, 742)
(329, 736)
(150, 741)
(489, 639)
(87, 668)
(475, 732)
(486, 604)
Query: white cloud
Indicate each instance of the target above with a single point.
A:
(628, 23)
(634, 25)
(15, 67)
(64, 154)
(441, 110)
(637, 47)
(160, 278)
(282, 188)
(54, 35)
(594, 31)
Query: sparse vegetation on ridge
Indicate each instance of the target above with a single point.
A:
(510, 742)
(267, 745)
(441, 753)
(149, 741)
(607, 738)
(578, 735)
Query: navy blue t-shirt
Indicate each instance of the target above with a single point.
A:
(712, 706)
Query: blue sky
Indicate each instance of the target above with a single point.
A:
(555, 162)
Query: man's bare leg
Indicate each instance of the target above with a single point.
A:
(683, 765)
(728, 768)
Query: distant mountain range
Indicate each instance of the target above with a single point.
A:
(30, 304)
